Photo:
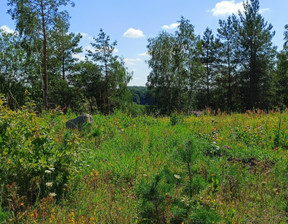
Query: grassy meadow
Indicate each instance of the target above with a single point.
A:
(208, 169)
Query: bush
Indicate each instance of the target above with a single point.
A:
(3, 216)
(176, 118)
(35, 160)
(204, 216)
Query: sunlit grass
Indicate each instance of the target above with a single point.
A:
(237, 172)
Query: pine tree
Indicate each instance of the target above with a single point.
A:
(113, 71)
(210, 47)
(256, 55)
(228, 62)
(282, 73)
(34, 19)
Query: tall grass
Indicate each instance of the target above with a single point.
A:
(207, 169)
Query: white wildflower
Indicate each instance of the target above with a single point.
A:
(177, 176)
(52, 195)
(49, 184)
(48, 171)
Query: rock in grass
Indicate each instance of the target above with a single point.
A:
(196, 113)
(78, 122)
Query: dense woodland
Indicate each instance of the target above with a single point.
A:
(236, 69)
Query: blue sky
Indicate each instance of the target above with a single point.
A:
(132, 22)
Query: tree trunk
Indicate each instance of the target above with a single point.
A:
(253, 79)
(63, 66)
(229, 81)
(63, 56)
(45, 95)
(207, 84)
(107, 87)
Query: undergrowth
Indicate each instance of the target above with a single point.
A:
(207, 169)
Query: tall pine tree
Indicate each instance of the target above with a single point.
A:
(256, 55)
(228, 63)
(34, 19)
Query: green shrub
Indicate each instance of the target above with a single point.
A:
(176, 118)
(152, 199)
(35, 160)
(3, 216)
(203, 216)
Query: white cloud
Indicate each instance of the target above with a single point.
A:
(89, 48)
(171, 26)
(134, 33)
(225, 8)
(6, 29)
(144, 54)
(86, 35)
(132, 61)
(264, 10)
(81, 57)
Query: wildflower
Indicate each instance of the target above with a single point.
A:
(51, 168)
(52, 195)
(21, 204)
(177, 176)
(49, 184)
(48, 171)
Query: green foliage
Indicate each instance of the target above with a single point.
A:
(113, 73)
(143, 169)
(176, 118)
(175, 68)
(36, 160)
(11, 66)
(171, 197)
(152, 200)
(204, 216)
(257, 54)
(3, 216)
(212, 149)
(209, 59)
(141, 95)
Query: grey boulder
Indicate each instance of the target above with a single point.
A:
(78, 122)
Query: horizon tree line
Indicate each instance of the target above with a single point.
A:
(236, 69)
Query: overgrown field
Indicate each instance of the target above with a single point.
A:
(207, 169)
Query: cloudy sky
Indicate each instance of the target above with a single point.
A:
(132, 22)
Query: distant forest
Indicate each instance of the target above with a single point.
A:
(236, 69)
(141, 95)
